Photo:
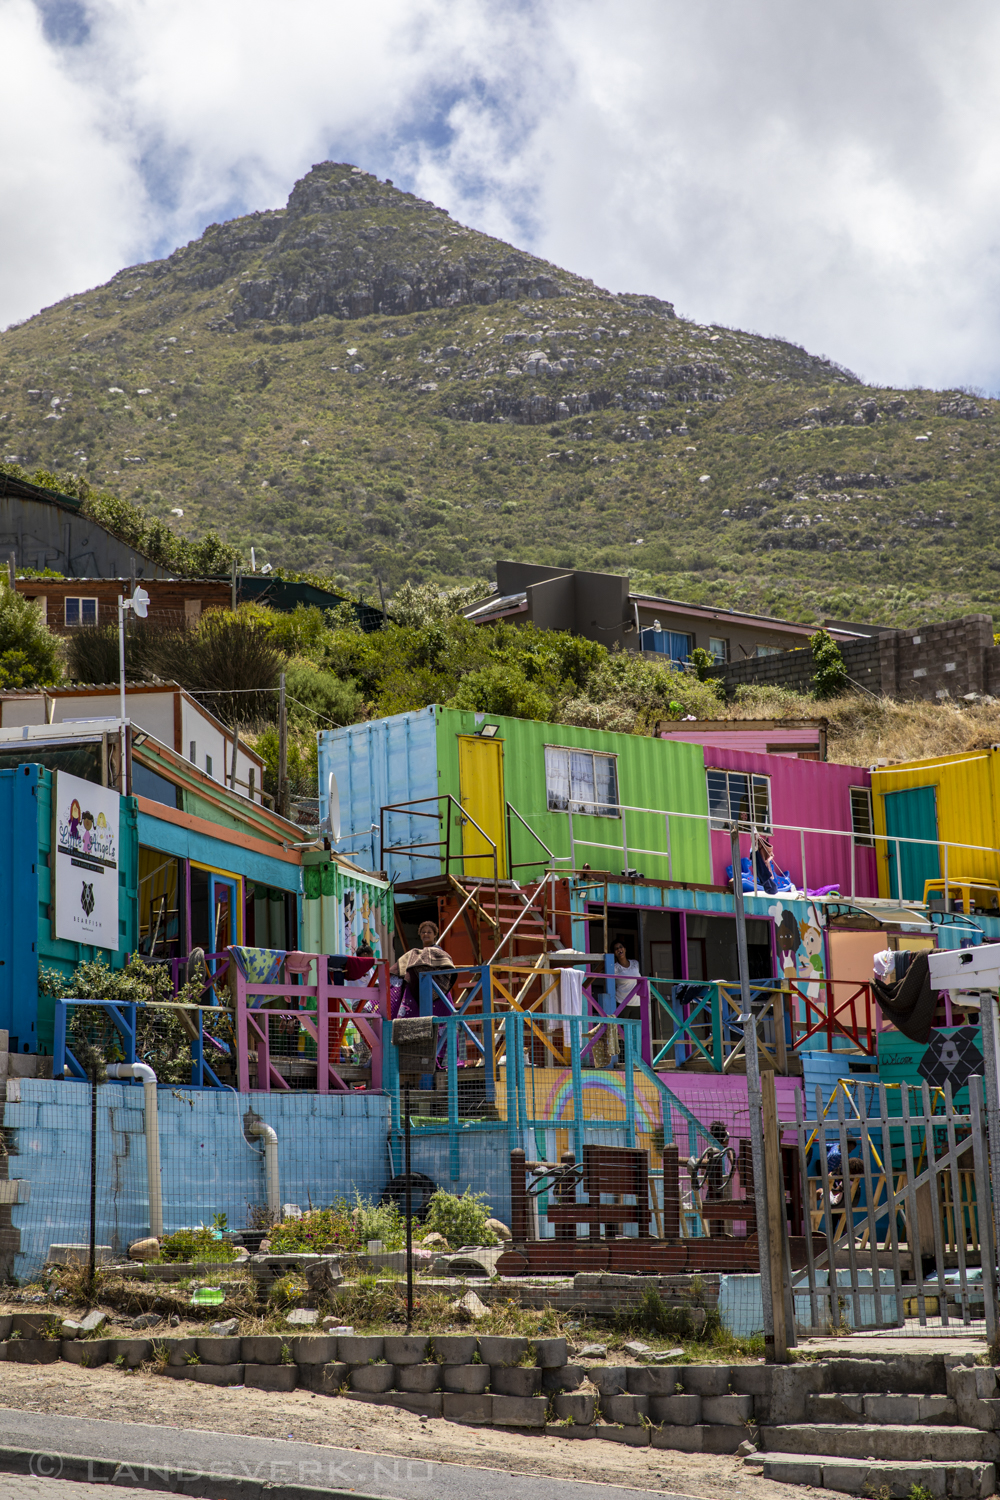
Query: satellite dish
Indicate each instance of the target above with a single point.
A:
(333, 806)
(140, 602)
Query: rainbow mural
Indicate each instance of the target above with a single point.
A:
(549, 1098)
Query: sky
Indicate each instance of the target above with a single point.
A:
(827, 173)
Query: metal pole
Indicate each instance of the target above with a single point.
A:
(991, 1078)
(754, 1102)
(233, 586)
(11, 570)
(236, 751)
(408, 1188)
(122, 785)
(802, 853)
(670, 862)
(282, 749)
(92, 1258)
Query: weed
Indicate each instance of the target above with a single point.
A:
(193, 1359)
(462, 1220)
(920, 1492)
(286, 1355)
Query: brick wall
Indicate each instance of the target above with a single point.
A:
(946, 660)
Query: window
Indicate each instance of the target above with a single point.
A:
(208, 764)
(580, 781)
(734, 797)
(81, 611)
(672, 643)
(861, 817)
(718, 647)
(770, 650)
(193, 757)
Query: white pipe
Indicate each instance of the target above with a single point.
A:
(270, 1139)
(143, 1071)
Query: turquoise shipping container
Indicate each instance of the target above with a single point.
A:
(27, 940)
(553, 793)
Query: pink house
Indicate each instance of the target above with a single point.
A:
(820, 813)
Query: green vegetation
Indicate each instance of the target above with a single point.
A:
(347, 1226)
(199, 1244)
(29, 652)
(462, 1220)
(419, 443)
(830, 677)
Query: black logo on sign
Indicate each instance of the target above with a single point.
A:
(87, 897)
(951, 1059)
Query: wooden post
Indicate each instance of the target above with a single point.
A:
(776, 1225)
(518, 1197)
(778, 1013)
(566, 1193)
(671, 1193)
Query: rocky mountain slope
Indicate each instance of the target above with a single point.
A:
(358, 385)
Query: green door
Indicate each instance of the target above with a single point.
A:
(912, 815)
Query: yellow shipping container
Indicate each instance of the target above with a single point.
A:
(936, 818)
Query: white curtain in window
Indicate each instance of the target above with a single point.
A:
(557, 778)
(581, 780)
(606, 782)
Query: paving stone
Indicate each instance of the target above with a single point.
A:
(626, 1411)
(893, 1443)
(263, 1349)
(611, 1380)
(576, 1405)
(676, 1411)
(569, 1430)
(550, 1353)
(892, 1408)
(418, 1378)
(830, 1406)
(593, 1351)
(133, 1352)
(219, 1351)
(180, 1350)
(271, 1377)
(455, 1348)
(324, 1380)
(402, 1350)
(644, 1381)
(220, 1374)
(731, 1411)
(697, 1439)
(88, 1353)
(632, 1437)
(519, 1411)
(500, 1351)
(313, 1349)
(226, 1330)
(302, 1317)
(790, 1470)
(515, 1380)
(705, 1380)
(474, 1411)
(638, 1350)
(358, 1350)
(466, 1380)
(373, 1378)
(751, 1380)
(429, 1405)
(564, 1378)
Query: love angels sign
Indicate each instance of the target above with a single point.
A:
(86, 862)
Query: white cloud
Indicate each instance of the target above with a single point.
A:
(828, 173)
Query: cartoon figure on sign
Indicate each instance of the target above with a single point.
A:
(788, 937)
(88, 824)
(350, 941)
(74, 820)
(366, 915)
(102, 821)
(87, 897)
(811, 965)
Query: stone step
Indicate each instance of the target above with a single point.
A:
(897, 1442)
(854, 1406)
(852, 1476)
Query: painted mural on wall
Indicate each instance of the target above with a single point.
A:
(801, 951)
(86, 862)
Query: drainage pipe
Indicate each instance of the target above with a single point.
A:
(143, 1071)
(270, 1139)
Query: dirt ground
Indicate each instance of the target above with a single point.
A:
(111, 1395)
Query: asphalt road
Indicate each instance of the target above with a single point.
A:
(132, 1458)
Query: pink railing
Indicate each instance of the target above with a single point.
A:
(319, 1012)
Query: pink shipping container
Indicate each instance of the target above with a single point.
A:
(807, 794)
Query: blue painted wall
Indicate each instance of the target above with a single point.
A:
(328, 1147)
(483, 1163)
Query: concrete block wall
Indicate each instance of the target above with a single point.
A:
(329, 1146)
(944, 660)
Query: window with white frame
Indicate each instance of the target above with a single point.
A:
(735, 797)
(718, 647)
(80, 611)
(580, 781)
(861, 817)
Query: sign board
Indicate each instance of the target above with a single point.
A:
(86, 862)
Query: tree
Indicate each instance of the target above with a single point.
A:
(830, 677)
(29, 652)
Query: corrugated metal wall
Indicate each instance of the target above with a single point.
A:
(652, 773)
(376, 764)
(806, 794)
(967, 800)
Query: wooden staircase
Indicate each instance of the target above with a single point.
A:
(506, 921)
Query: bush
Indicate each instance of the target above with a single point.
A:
(830, 677)
(196, 1244)
(231, 651)
(462, 1220)
(29, 652)
(92, 652)
(348, 1226)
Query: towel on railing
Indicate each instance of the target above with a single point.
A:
(259, 965)
(570, 998)
(412, 1031)
(909, 1003)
